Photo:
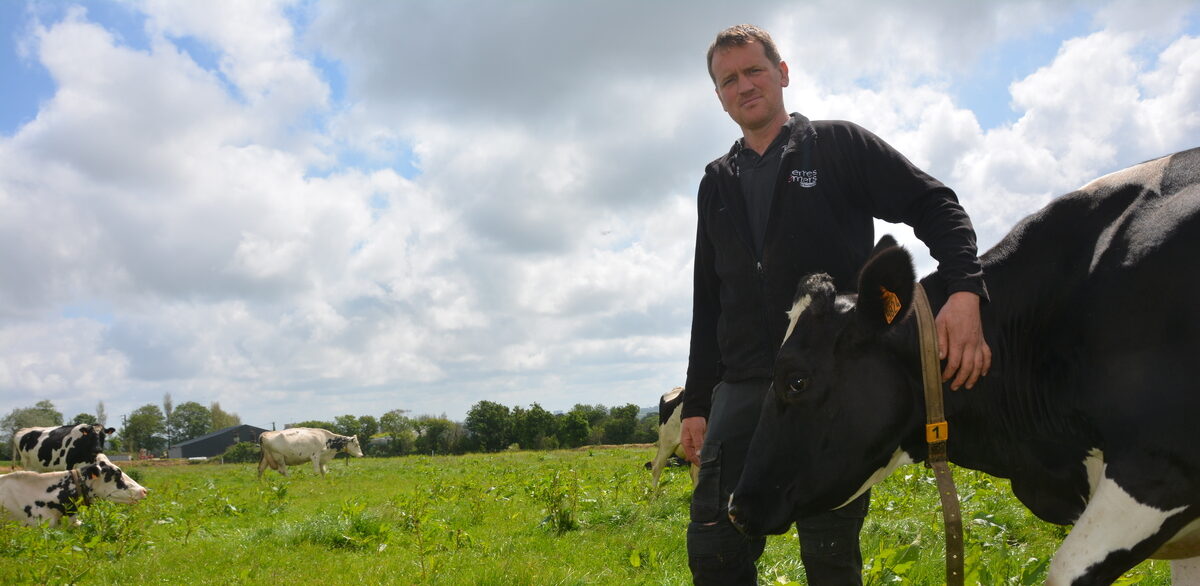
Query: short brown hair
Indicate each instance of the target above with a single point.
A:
(741, 35)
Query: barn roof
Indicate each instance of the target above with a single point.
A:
(257, 430)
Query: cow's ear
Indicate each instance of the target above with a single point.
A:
(110, 430)
(85, 431)
(885, 285)
(885, 242)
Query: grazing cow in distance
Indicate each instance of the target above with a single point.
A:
(670, 405)
(298, 445)
(33, 497)
(46, 449)
(1091, 403)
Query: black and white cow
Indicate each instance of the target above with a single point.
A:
(298, 445)
(1091, 403)
(33, 497)
(45, 449)
(670, 405)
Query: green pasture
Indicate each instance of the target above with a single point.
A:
(583, 516)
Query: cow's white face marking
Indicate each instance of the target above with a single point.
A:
(1113, 520)
(794, 315)
(899, 458)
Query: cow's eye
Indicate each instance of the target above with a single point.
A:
(797, 385)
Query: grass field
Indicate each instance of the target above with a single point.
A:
(565, 517)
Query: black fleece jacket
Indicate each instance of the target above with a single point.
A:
(835, 177)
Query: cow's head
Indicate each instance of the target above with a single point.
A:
(353, 447)
(842, 399)
(347, 444)
(106, 481)
(96, 434)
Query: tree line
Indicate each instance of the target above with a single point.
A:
(488, 427)
(491, 427)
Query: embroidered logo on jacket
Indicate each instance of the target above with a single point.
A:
(804, 178)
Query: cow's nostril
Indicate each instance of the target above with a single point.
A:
(737, 523)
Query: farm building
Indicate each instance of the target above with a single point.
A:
(215, 443)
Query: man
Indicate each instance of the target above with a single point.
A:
(794, 197)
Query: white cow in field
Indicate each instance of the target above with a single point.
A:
(33, 497)
(303, 444)
(670, 405)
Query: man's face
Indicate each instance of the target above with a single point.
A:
(749, 86)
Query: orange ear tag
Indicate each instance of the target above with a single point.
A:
(891, 305)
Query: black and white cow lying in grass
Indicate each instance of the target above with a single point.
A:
(33, 497)
(298, 445)
(1090, 407)
(45, 449)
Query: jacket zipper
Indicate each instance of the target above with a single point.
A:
(758, 256)
(759, 269)
(762, 291)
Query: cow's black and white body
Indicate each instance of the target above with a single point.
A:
(670, 405)
(1090, 406)
(298, 445)
(45, 449)
(33, 497)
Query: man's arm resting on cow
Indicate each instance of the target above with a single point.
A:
(960, 340)
(691, 436)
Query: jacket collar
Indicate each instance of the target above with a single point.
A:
(801, 130)
(725, 170)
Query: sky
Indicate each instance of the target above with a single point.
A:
(305, 209)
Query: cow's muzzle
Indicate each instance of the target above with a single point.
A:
(735, 519)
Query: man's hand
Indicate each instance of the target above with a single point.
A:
(691, 437)
(960, 340)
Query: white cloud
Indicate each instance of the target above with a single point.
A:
(1098, 106)
(55, 357)
(1167, 118)
(257, 45)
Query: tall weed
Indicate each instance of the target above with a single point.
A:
(559, 494)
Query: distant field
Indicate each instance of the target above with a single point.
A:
(562, 517)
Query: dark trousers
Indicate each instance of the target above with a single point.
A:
(718, 554)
